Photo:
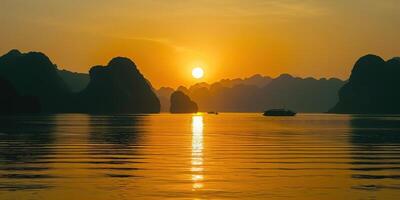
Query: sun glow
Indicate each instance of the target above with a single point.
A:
(197, 72)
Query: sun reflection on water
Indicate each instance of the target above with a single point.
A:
(197, 152)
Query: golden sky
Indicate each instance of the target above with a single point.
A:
(228, 38)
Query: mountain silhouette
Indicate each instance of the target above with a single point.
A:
(247, 95)
(373, 87)
(181, 103)
(12, 103)
(33, 74)
(75, 81)
(256, 80)
(301, 94)
(118, 87)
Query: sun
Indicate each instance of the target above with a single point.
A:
(197, 73)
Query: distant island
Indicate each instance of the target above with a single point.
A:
(181, 103)
(258, 93)
(76, 82)
(373, 88)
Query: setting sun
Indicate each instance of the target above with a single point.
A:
(197, 73)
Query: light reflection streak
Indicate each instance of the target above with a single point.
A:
(197, 152)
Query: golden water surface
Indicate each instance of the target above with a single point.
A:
(226, 156)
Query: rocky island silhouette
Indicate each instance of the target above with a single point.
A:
(118, 87)
(181, 103)
(373, 88)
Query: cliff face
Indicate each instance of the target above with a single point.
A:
(118, 87)
(33, 74)
(181, 103)
(373, 87)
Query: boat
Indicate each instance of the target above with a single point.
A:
(279, 112)
(213, 113)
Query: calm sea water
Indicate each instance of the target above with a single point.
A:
(226, 156)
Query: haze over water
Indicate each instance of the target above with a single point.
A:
(226, 156)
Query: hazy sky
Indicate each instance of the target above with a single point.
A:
(228, 38)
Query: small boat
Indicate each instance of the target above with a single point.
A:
(279, 112)
(212, 113)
